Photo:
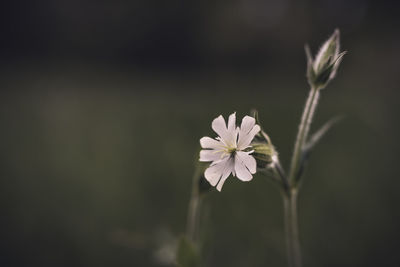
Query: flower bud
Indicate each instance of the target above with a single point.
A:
(323, 68)
(263, 150)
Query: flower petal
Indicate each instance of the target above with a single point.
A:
(213, 174)
(247, 124)
(248, 160)
(229, 168)
(219, 126)
(218, 170)
(210, 155)
(208, 142)
(246, 138)
(228, 135)
(232, 122)
(232, 131)
(243, 164)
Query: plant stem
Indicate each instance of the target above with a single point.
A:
(192, 218)
(302, 135)
(291, 229)
(194, 207)
(290, 198)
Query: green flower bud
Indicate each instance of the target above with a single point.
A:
(322, 69)
(263, 150)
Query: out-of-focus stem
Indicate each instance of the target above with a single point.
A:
(280, 175)
(291, 229)
(193, 218)
(302, 135)
(194, 208)
(290, 198)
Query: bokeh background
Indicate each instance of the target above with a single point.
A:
(103, 102)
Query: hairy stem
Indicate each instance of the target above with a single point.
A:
(290, 199)
(302, 135)
(291, 229)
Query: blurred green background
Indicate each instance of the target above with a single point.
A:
(103, 104)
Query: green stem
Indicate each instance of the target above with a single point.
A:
(290, 198)
(280, 176)
(194, 207)
(302, 135)
(291, 229)
(192, 218)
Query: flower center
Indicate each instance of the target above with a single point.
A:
(231, 150)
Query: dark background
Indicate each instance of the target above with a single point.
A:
(103, 102)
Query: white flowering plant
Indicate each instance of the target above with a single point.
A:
(230, 152)
(243, 150)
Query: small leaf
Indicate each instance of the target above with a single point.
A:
(254, 114)
(308, 54)
(316, 137)
(310, 67)
(336, 63)
(187, 254)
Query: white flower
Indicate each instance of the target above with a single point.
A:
(229, 151)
